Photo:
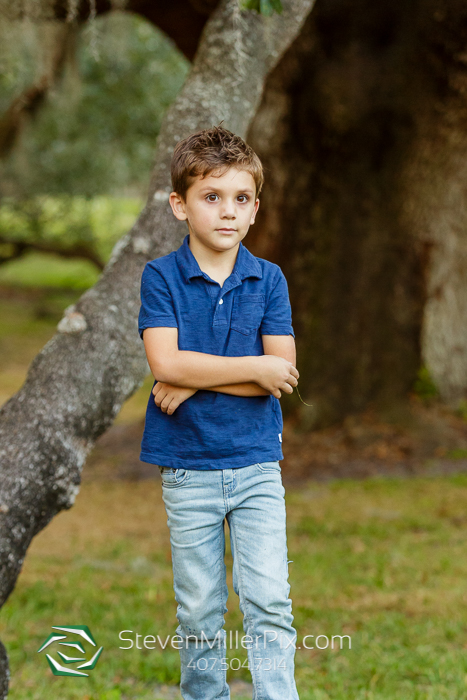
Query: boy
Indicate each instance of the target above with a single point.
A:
(216, 326)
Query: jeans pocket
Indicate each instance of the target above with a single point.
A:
(269, 467)
(172, 478)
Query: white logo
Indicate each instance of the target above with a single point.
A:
(84, 632)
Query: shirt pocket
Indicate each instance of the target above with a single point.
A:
(247, 313)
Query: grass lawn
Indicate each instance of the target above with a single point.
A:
(383, 561)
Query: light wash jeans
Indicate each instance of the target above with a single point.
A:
(251, 499)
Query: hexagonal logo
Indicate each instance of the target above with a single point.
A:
(72, 646)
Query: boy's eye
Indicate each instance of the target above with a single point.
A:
(211, 197)
(242, 198)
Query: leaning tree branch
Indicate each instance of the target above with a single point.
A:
(77, 384)
(80, 250)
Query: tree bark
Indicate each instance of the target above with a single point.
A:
(363, 133)
(77, 384)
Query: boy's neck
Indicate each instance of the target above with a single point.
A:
(217, 264)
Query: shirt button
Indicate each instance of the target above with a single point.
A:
(221, 301)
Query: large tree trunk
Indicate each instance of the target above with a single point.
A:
(363, 133)
(78, 383)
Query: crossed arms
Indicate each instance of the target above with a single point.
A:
(181, 373)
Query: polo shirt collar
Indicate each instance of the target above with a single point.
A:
(246, 265)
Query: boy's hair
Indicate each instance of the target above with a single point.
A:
(212, 150)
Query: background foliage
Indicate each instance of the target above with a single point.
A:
(78, 174)
(96, 135)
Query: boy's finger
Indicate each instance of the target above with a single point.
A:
(165, 404)
(172, 407)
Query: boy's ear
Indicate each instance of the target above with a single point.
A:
(178, 206)
(252, 220)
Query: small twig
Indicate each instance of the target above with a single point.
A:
(304, 402)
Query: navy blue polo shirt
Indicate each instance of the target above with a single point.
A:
(212, 430)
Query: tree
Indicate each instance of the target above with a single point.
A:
(78, 383)
(362, 130)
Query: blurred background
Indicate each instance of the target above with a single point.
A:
(81, 110)
(362, 133)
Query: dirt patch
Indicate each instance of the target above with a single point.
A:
(413, 439)
(116, 455)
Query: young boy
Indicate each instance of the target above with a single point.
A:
(216, 325)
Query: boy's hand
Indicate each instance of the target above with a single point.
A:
(169, 397)
(276, 374)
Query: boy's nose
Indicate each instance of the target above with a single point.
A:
(228, 211)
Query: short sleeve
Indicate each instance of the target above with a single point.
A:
(277, 319)
(157, 308)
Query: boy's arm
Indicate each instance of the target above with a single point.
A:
(184, 368)
(168, 397)
(243, 389)
(279, 345)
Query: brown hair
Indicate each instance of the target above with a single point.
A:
(212, 150)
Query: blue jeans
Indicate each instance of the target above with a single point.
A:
(251, 499)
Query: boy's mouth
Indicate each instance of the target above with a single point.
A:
(227, 230)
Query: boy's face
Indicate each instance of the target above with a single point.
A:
(219, 210)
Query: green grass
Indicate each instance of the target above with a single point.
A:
(458, 453)
(45, 270)
(383, 561)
